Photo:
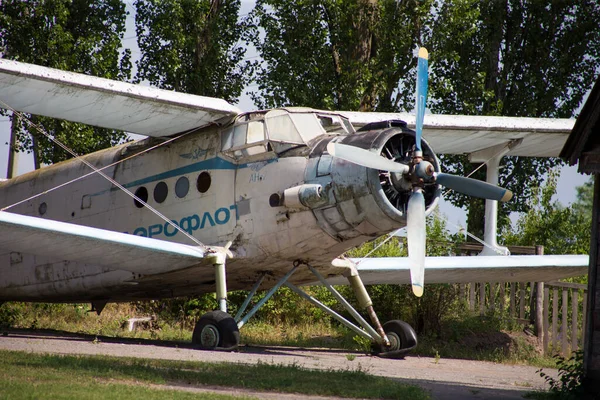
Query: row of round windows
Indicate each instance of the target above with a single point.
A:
(182, 187)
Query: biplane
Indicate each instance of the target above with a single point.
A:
(215, 199)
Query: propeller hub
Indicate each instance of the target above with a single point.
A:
(424, 170)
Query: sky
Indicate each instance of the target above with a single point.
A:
(566, 192)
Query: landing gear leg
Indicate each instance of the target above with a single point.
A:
(217, 330)
(398, 337)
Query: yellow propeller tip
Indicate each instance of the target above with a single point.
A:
(507, 196)
(417, 290)
(423, 53)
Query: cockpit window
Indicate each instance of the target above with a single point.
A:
(277, 131)
(281, 128)
(335, 124)
(239, 136)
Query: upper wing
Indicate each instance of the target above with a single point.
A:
(106, 103)
(64, 241)
(465, 269)
(460, 134)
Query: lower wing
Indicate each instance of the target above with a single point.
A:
(464, 269)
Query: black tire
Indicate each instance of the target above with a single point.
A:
(403, 340)
(216, 330)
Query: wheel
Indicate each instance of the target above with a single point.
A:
(216, 330)
(402, 337)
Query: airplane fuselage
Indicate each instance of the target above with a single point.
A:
(266, 184)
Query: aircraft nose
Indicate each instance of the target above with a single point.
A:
(356, 200)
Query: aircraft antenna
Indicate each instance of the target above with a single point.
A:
(99, 171)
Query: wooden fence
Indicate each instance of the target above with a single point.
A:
(555, 309)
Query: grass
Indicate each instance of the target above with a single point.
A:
(29, 375)
(474, 338)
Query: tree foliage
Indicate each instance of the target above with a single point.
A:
(192, 46)
(72, 35)
(337, 55)
(512, 58)
(560, 229)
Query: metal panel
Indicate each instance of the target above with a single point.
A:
(106, 103)
(64, 241)
(463, 134)
(472, 269)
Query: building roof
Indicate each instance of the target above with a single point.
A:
(583, 144)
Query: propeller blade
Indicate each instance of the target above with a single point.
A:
(415, 228)
(421, 95)
(473, 187)
(365, 158)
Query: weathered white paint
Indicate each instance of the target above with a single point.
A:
(464, 134)
(69, 263)
(106, 103)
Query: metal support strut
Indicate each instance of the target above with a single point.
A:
(220, 280)
(379, 336)
(364, 300)
(258, 305)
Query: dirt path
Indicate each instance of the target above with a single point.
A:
(446, 379)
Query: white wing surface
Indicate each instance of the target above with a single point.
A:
(466, 269)
(106, 103)
(70, 242)
(465, 134)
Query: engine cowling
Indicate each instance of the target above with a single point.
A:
(364, 201)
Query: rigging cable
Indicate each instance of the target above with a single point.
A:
(99, 171)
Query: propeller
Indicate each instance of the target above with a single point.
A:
(415, 229)
(365, 158)
(418, 172)
(421, 95)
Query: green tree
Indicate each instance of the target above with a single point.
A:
(192, 46)
(337, 55)
(585, 199)
(560, 229)
(511, 58)
(73, 35)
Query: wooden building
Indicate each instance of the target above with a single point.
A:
(583, 147)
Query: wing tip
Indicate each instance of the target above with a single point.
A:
(507, 196)
(417, 289)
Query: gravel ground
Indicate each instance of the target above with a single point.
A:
(447, 379)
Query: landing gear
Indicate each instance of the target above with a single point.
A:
(216, 330)
(402, 337)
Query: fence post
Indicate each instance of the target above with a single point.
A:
(574, 309)
(564, 321)
(512, 299)
(539, 311)
(482, 298)
(472, 296)
(546, 321)
(539, 302)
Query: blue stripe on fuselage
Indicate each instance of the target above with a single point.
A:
(213, 163)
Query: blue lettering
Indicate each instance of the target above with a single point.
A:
(204, 218)
(166, 229)
(225, 219)
(190, 224)
(154, 230)
(234, 208)
(141, 232)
